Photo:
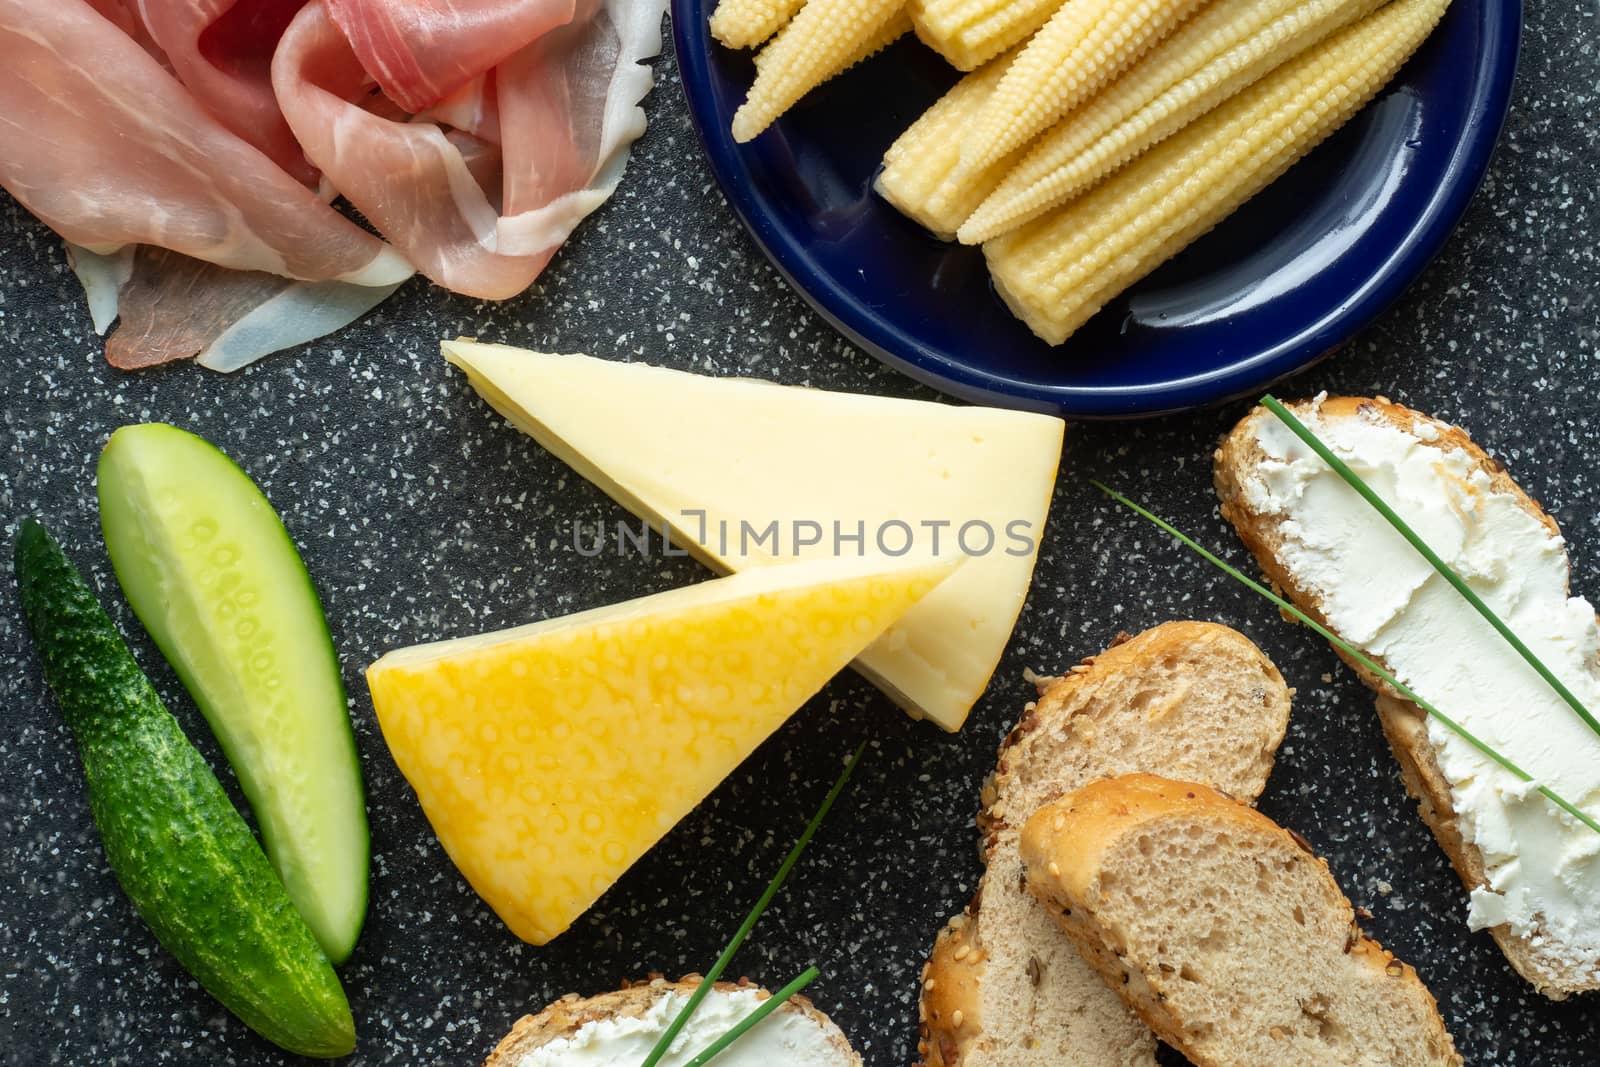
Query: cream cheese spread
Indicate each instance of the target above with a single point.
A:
(1379, 594)
(785, 1037)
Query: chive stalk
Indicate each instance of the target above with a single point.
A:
(701, 991)
(1355, 481)
(1354, 653)
(764, 1009)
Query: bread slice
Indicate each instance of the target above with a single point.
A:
(1003, 988)
(1224, 931)
(1537, 956)
(631, 1019)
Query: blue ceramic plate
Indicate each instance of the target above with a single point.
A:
(1277, 286)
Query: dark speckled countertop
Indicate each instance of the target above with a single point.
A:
(422, 514)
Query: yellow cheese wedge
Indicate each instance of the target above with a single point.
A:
(723, 459)
(550, 757)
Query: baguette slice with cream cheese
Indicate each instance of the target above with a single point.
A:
(1533, 873)
(618, 1029)
(1003, 988)
(1224, 932)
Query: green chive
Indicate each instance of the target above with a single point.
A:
(743, 932)
(1354, 653)
(766, 1008)
(1355, 482)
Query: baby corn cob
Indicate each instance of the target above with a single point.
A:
(825, 38)
(1060, 269)
(1085, 44)
(969, 33)
(922, 174)
(1229, 45)
(746, 23)
(897, 27)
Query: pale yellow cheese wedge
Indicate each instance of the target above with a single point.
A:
(550, 757)
(709, 455)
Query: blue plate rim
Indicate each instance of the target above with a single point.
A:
(1490, 93)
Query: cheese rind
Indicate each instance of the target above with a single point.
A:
(723, 460)
(550, 757)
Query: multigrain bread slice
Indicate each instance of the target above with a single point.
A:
(1226, 934)
(1002, 988)
(624, 1024)
(1539, 956)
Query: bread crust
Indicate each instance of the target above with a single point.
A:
(568, 1015)
(950, 1010)
(1065, 842)
(1404, 723)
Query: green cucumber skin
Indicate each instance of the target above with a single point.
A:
(169, 503)
(184, 856)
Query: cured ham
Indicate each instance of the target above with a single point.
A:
(548, 90)
(108, 149)
(474, 135)
(566, 111)
(171, 307)
(222, 52)
(420, 51)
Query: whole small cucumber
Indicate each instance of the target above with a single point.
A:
(214, 576)
(183, 854)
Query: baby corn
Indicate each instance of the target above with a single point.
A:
(1085, 44)
(897, 27)
(746, 23)
(1060, 269)
(825, 38)
(921, 173)
(1229, 45)
(969, 33)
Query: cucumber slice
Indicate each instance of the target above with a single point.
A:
(212, 574)
(182, 853)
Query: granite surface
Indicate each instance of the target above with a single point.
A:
(422, 514)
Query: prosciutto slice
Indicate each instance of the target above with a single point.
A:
(222, 52)
(474, 135)
(580, 89)
(567, 110)
(420, 51)
(108, 148)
